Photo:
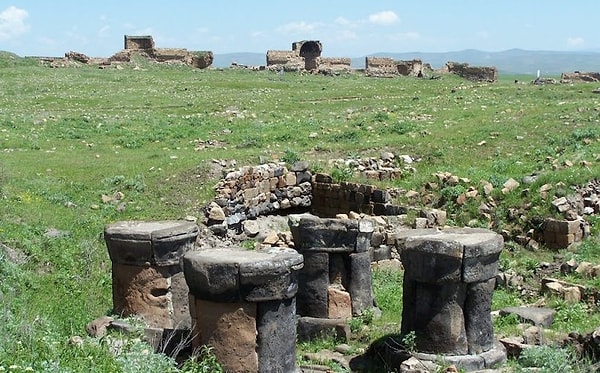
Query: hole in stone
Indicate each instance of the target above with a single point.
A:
(159, 292)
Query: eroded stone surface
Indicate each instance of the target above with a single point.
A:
(230, 329)
(234, 274)
(448, 285)
(154, 242)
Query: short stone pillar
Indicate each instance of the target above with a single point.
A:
(449, 278)
(243, 305)
(146, 271)
(335, 282)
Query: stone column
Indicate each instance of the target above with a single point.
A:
(448, 284)
(147, 275)
(243, 304)
(336, 279)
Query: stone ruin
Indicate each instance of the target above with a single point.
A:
(136, 46)
(252, 306)
(141, 42)
(144, 46)
(473, 73)
(388, 67)
(580, 77)
(449, 279)
(306, 56)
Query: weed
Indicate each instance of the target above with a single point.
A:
(290, 157)
(547, 359)
(342, 173)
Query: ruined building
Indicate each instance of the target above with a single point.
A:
(306, 55)
(144, 45)
(473, 73)
(143, 42)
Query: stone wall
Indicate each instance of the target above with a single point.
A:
(138, 42)
(331, 199)
(260, 190)
(410, 68)
(559, 234)
(334, 65)
(380, 66)
(580, 77)
(474, 73)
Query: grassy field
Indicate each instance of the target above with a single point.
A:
(69, 136)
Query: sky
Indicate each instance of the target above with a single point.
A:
(345, 28)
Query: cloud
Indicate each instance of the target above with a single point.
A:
(12, 22)
(575, 42)
(384, 18)
(297, 27)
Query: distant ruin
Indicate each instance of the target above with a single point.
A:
(473, 73)
(580, 77)
(144, 46)
(306, 56)
(138, 42)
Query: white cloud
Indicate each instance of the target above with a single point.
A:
(342, 21)
(385, 18)
(575, 42)
(12, 22)
(297, 27)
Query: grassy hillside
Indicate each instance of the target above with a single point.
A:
(69, 136)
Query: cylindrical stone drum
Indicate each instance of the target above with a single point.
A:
(243, 305)
(448, 285)
(146, 270)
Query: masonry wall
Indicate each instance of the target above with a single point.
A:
(139, 42)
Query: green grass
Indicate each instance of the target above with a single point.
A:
(68, 136)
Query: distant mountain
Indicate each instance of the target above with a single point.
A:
(512, 61)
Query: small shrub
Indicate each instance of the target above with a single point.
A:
(342, 173)
(547, 358)
(204, 362)
(290, 157)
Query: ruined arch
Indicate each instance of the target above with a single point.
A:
(311, 51)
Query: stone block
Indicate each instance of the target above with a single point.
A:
(310, 328)
(230, 329)
(434, 312)
(277, 336)
(313, 280)
(339, 303)
(146, 291)
(155, 242)
(235, 275)
(432, 259)
(478, 320)
(312, 233)
(360, 285)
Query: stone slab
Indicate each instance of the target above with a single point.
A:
(312, 233)
(235, 274)
(154, 242)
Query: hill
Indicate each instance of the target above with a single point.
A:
(512, 61)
